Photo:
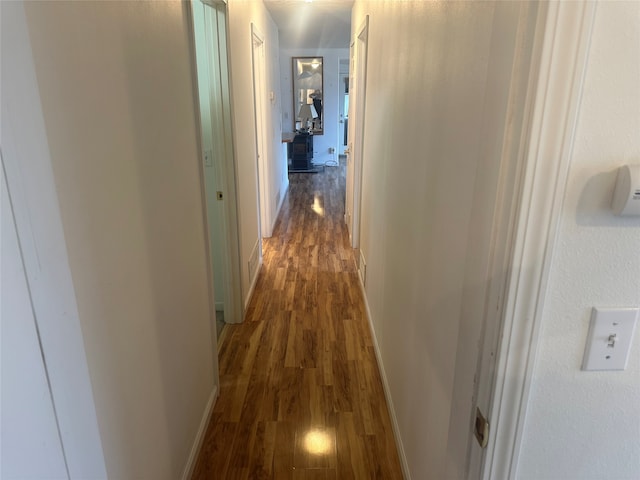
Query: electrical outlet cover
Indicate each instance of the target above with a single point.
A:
(610, 338)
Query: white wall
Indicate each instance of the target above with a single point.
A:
(330, 98)
(586, 425)
(117, 97)
(242, 13)
(438, 81)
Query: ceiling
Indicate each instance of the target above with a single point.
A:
(312, 24)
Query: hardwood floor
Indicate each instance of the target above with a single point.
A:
(300, 394)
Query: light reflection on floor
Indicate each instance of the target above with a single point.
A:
(317, 205)
(317, 442)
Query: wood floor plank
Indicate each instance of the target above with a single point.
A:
(300, 391)
(217, 449)
(261, 462)
(314, 474)
(283, 464)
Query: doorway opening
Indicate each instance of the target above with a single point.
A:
(343, 104)
(356, 113)
(259, 92)
(218, 166)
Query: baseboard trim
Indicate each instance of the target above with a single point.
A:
(279, 206)
(252, 286)
(385, 385)
(255, 258)
(202, 429)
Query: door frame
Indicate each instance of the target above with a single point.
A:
(259, 92)
(357, 112)
(232, 296)
(555, 89)
(342, 114)
(224, 164)
(348, 197)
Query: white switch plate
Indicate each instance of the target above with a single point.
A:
(610, 336)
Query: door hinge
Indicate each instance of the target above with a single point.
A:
(481, 429)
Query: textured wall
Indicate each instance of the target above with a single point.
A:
(586, 425)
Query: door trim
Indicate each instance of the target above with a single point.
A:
(357, 116)
(259, 91)
(224, 163)
(556, 92)
(340, 147)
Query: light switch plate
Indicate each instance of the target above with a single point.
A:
(610, 338)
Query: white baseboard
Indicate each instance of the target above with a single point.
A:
(254, 265)
(385, 385)
(252, 287)
(202, 429)
(279, 206)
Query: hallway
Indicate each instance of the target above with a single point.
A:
(301, 396)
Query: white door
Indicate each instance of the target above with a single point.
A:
(490, 233)
(42, 351)
(31, 444)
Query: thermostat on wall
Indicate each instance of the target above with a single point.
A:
(626, 196)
